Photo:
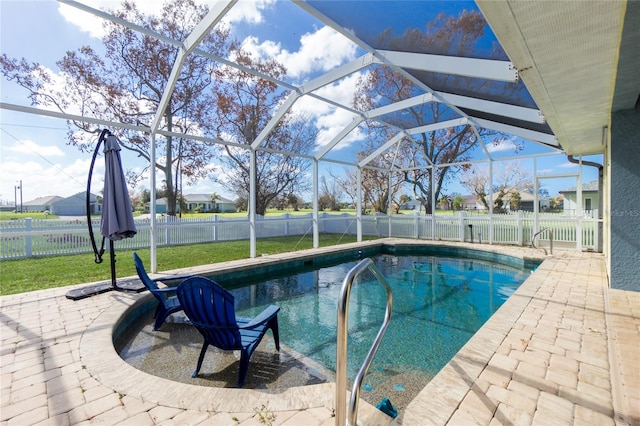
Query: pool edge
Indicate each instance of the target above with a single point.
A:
(100, 358)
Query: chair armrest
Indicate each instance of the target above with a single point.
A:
(171, 278)
(264, 316)
(164, 278)
(164, 290)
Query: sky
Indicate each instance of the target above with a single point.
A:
(33, 149)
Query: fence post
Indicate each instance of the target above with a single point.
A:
(520, 228)
(461, 213)
(167, 230)
(416, 225)
(215, 227)
(27, 240)
(286, 224)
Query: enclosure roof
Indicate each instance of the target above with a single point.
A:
(546, 72)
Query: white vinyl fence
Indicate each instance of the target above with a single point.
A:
(35, 237)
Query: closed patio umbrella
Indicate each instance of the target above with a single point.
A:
(117, 216)
(116, 222)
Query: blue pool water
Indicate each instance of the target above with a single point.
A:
(438, 304)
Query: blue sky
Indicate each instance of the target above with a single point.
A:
(33, 149)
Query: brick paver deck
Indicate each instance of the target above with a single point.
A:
(563, 350)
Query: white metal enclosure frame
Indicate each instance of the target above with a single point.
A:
(402, 62)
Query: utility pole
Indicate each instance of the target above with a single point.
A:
(20, 188)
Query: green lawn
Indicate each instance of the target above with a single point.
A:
(24, 215)
(22, 275)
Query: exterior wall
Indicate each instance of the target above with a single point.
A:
(34, 207)
(227, 207)
(570, 207)
(75, 206)
(624, 254)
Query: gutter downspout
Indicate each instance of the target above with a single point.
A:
(600, 168)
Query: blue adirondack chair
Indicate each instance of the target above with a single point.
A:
(211, 310)
(168, 303)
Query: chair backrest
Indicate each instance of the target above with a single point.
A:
(210, 308)
(142, 273)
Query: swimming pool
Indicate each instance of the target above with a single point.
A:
(439, 303)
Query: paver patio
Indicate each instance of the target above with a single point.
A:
(563, 350)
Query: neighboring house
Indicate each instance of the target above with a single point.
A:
(76, 205)
(193, 201)
(471, 202)
(412, 205)
(590, 200)
(41, 204)
(526, 201)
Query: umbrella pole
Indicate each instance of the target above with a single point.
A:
(112, 253)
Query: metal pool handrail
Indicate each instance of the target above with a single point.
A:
(533, 240)
(341, 352)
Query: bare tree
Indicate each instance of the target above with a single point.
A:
(376, 192)
(477, 181)
(507, 181)
(245, 104)
(454, 36)
(127, 85)
(330, 194)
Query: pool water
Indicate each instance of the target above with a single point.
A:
(438, 304)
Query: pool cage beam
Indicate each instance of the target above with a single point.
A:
(359, 205)
(493, 70)
(316, 231)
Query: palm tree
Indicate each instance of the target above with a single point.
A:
(214, 198)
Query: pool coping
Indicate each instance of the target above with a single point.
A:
(101, 360)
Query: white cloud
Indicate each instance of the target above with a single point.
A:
(30, 147)
(502, 145)
(342, 90)
(545, 171)
(92, 24)
(331, 120)
(567, 165)
(40, 180)
(248, 11)
(320, 51)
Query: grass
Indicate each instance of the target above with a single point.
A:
(24, 215)
(23, 275)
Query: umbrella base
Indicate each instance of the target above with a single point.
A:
(132, 285)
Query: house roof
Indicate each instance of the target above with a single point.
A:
(470, 198)
(81, 195)
(43, 201)
(198, 198)
(586, 187)
(524, 196)
(579, 61)
(205, 198)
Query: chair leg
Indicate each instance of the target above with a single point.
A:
(273, 324)
(157, 316)
(161, 315)
(200, 359)
(244, 366)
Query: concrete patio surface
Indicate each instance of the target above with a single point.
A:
(563, 350)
